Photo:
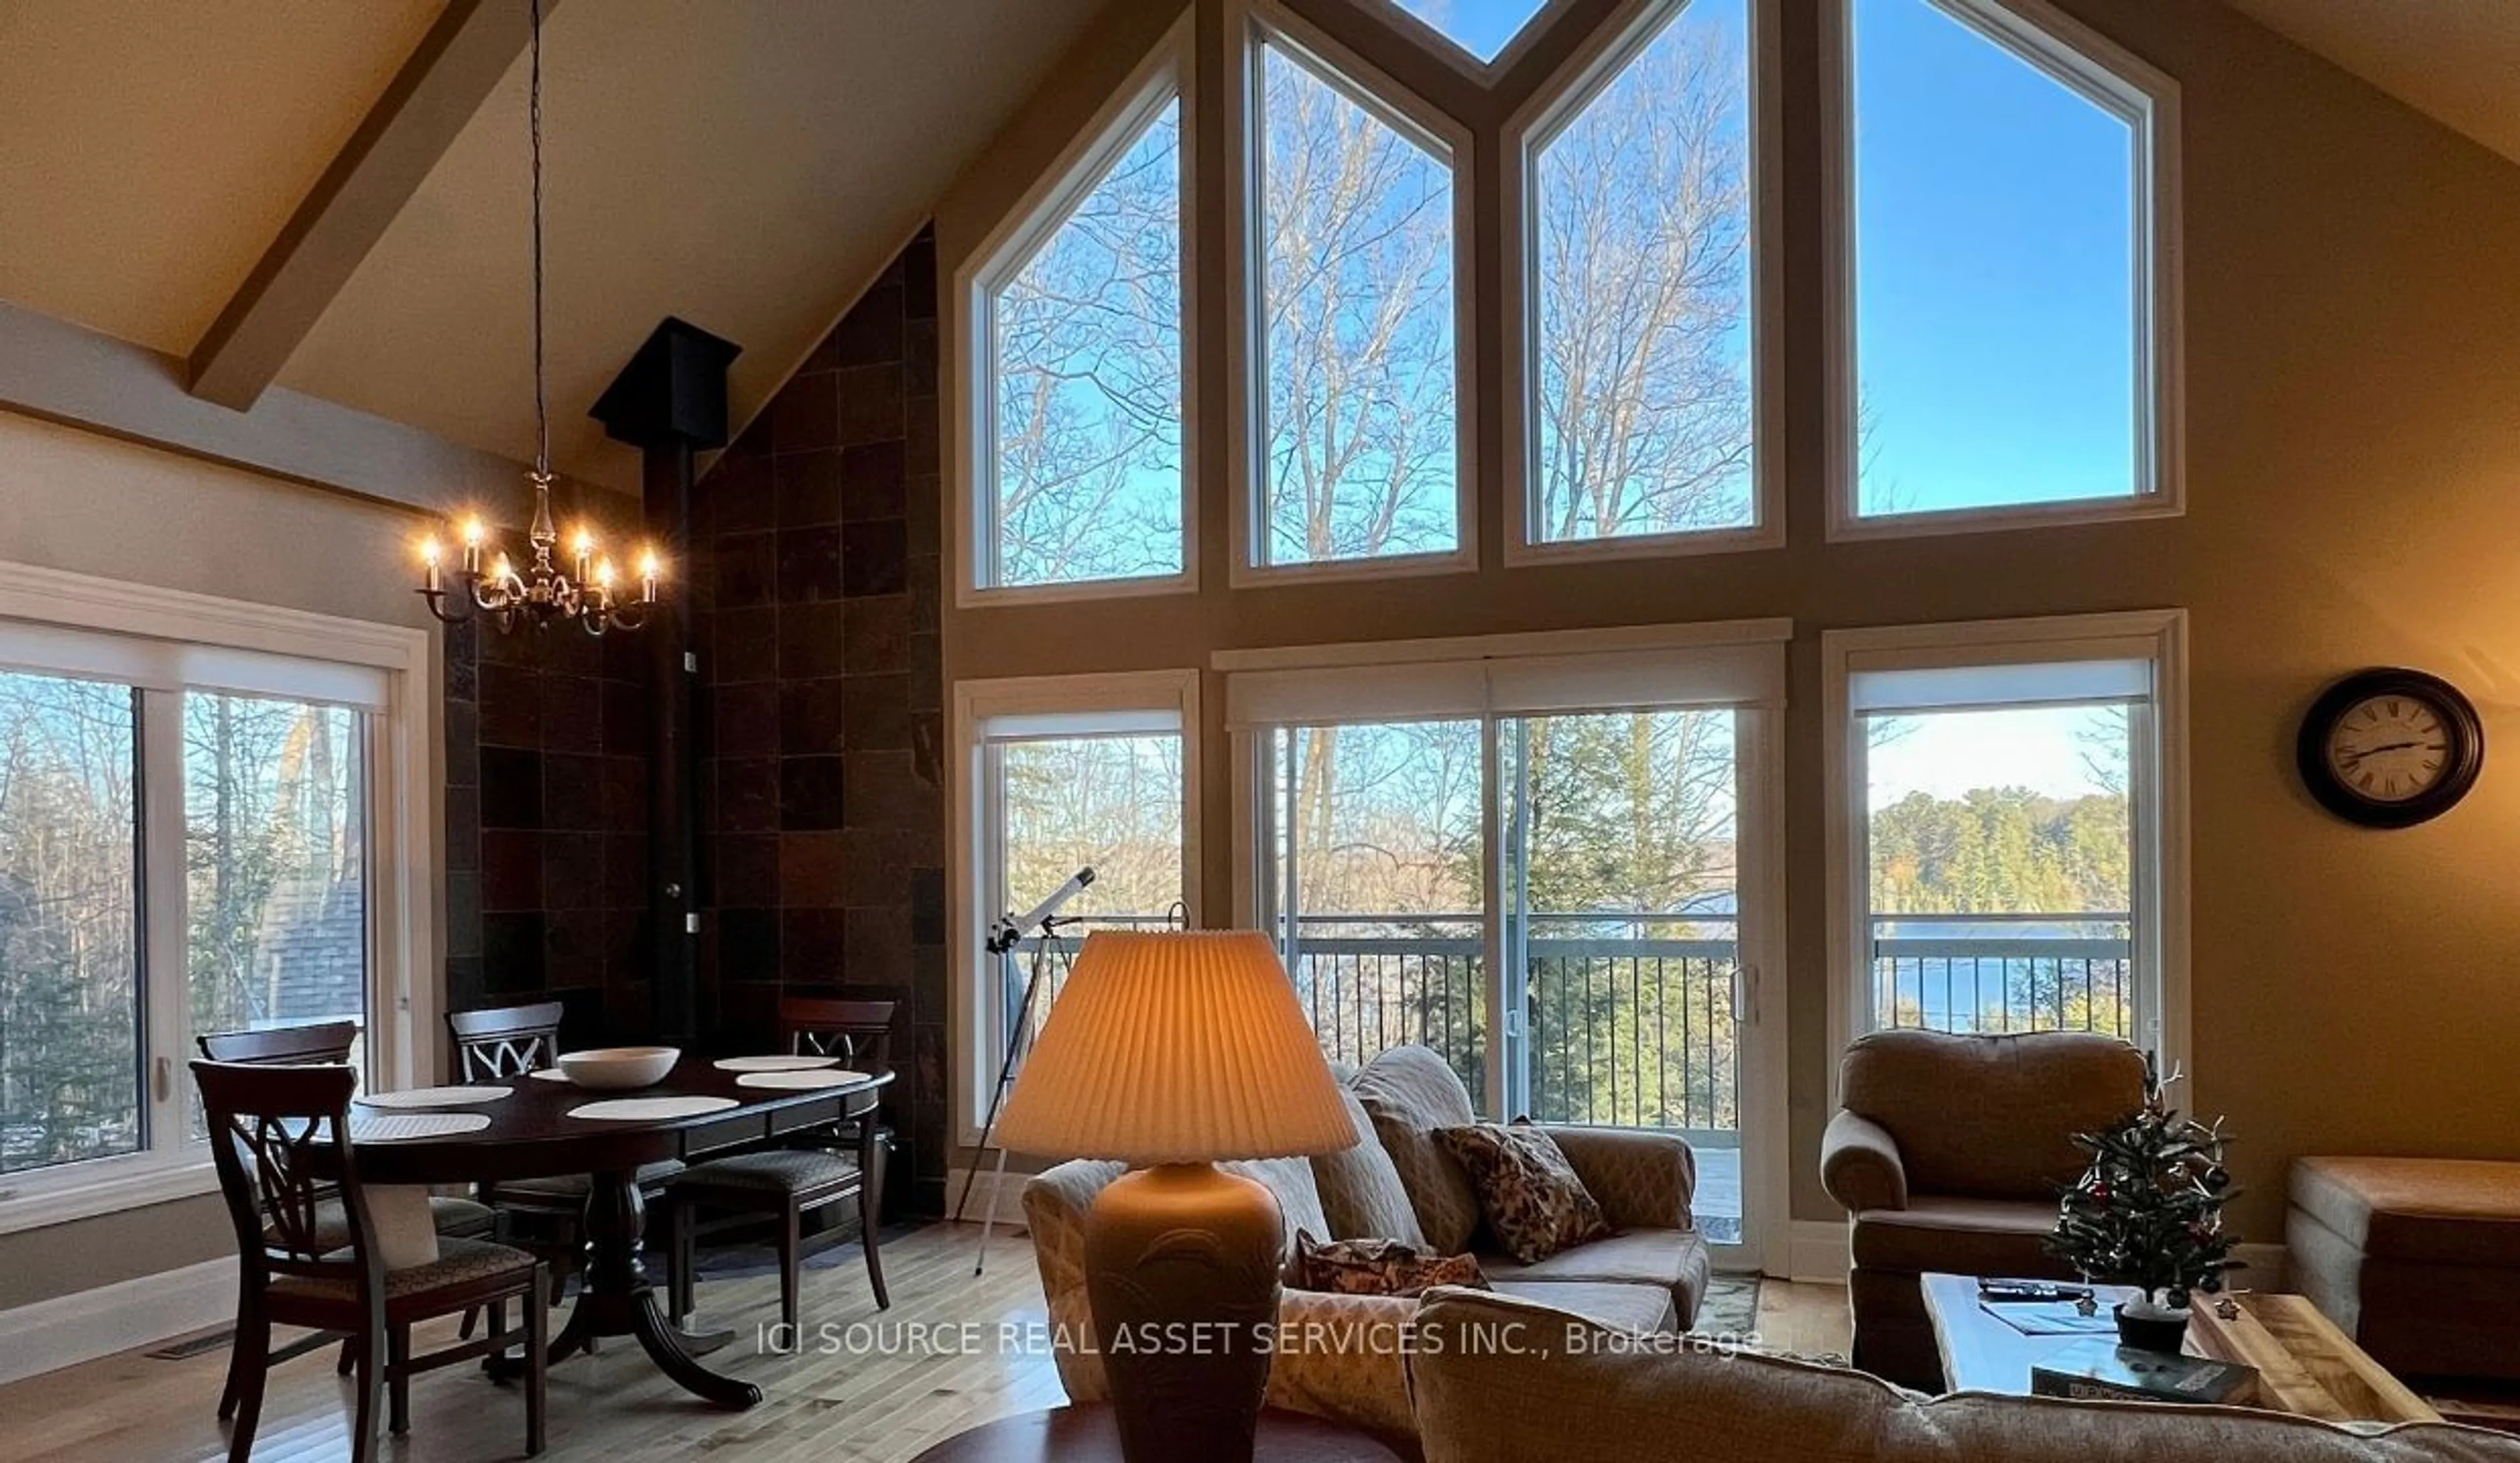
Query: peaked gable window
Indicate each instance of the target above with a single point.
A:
(1481, 29)
(2010, 269)
(1082, 445)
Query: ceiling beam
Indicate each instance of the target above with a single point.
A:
(452, 71)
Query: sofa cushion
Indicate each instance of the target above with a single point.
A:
(1959, 1238)
(1673, 1261)
(2437, 1209)
(1528, 1192)
(1409, 1092)
(1637, 1310)
(1569, 1394)
(1360, 1187)
(1992, 1117)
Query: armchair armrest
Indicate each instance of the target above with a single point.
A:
(1860, 1163)
(1642, 1181)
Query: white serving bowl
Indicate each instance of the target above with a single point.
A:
(613, 1068)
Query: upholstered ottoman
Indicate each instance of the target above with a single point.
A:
(2417, 1259)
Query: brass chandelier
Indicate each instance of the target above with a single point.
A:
(588, 591)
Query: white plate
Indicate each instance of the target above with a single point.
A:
(386, 1127)
(649, 1109)
(799, 1079)
(774, 1063)
(434, 1097)
(548, 1073)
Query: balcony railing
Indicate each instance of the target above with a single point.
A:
(2004, 972)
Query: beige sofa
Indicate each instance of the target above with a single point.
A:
(1949, 1152)
(1341, 1356)
(1500, 1380)
(2417, 1259)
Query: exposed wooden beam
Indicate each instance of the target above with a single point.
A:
(79, 377)
(467, 50)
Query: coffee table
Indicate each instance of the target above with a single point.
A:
(2305, 1364)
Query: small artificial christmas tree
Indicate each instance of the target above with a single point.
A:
(2148, 1211)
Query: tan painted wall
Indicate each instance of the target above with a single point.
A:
(2352, 281)
(71, 500)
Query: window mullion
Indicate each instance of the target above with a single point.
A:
(166, 1019)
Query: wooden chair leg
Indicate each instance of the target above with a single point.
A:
(790, 1267)
(236, 1349)
(538, 1342)
(370, 1386)
(869, 1223)
(350, 1358)
(398, 1379)
(471, 1319)
(499, 1315)
(247, 1365)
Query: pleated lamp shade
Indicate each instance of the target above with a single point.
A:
(1175, 1046)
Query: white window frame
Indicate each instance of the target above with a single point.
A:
(1734, 663)
(2158, 785)
(180, 630)
(1251, 24)
(1458, 56)
(1606, 53)
(2129, 88)
(972, 852)
(1164, 75)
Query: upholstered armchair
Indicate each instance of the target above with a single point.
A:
(1949, 1152)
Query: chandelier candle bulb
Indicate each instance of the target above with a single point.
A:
(428, 565)
(648, 577)
(472, 546)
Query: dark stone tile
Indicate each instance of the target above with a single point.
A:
(626, 656)
(809, 793)
(748, 795)
(926, 593)
(869, 404)
(512, 871)
(919, 357)
(511, 707)
(463, 828)
(919, 277)
(809, 564)
(929, 996)
(741, 493)
(813, 639)
(810, 721)
(808, 487)
(875, 711)
(573, 791)
(748, 646)
(876, 867)
(881, 790)
(747, 870)
(873, 481)
(625, 716)
(463, 984)
(927, 1060)
(572, 871)
(463, 743)
(512, 789)
(922, 443)
(744, 721)
(805, 415)
(810, 870)
(747, 570)
(927, 906)
(748, 1009)
(626, 871)
(926, 673)
(879, 635)
(573, 713)
(876, 558)
(463, 913)
(625, 794)
(870, 332)
(573, 949)
(812, 946)
(512, 954)
(923, 508)
(568, 651)
(629, 1008)
(463, 681)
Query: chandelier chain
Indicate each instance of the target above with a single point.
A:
(534, 129)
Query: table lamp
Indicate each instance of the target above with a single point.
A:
(1172, 1051)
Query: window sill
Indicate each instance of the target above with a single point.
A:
(82, 1192)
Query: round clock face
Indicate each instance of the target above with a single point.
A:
(2391, 748)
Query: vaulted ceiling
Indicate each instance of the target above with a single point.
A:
(747, 166)
(2457, 61)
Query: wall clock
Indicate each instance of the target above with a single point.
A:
(2391, 748)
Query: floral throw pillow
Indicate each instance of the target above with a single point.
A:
(1528, 1191)
(1376, 1267)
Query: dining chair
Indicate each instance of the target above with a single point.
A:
(272, 1127)
(812, 1169)
(506, 1044)
(330, 1042)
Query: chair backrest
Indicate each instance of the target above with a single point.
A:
(855, 1031)
(283, 1045)
(1990, 1117)
(504, 1041)
(271, 1125)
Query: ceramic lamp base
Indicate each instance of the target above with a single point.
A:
(1182, 1269)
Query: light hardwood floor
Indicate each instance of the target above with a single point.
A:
(893, 1383)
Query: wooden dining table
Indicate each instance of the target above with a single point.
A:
(532, 1134)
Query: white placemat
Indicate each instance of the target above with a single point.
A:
(434, 1097)
(800, 1079)
(548, 1073)
(649, 1109)
(774, 1063)
(386, 1128)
